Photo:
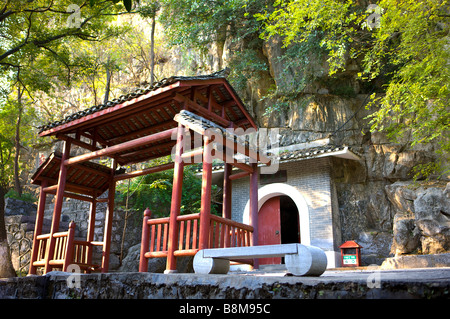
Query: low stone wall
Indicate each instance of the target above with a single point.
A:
(432, 283)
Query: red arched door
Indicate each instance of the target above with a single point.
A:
(278, 223)
(269, 227)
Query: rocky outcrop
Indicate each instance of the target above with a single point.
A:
(155, 265)
(422, 217)
(380, 205)
(416, 261)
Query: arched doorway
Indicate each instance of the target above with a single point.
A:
(278, 223)
(283, 217)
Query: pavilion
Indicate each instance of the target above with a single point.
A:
(135, 128)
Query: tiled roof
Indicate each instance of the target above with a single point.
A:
(308, 153)
(136, 93)
(312, 152)
(198, 124)
(85, 178)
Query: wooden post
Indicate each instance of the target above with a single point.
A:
(177, 187)
(145, 241)
(227, 185)
(68, 259)
(254, 208)
(38, 227)
(90, 233)
(58, 205)
(205, 207)
(108, 221)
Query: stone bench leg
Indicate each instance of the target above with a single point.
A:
(308, 261)
(206, 265)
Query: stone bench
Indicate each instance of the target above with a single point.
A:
(300, 260)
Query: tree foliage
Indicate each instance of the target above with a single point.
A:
(36, 43)
(405, 42)
(154, 191)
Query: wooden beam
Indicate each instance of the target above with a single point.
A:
(77, 142)
(86, 168)
(108, 151)
(71, 186)
(239, 104)
(145, 159)
(156, 147)
(194, 154)
(143, 131)
(239, 175)
(51, 190)
(203, 111)
(144, 171)
(230, 160)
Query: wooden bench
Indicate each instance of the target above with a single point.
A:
(300, 260)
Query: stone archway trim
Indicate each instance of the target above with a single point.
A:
(280, 189)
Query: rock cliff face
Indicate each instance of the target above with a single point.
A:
(380, 205)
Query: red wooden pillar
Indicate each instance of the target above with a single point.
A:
(58, 206)
(90, 233)
(227, 185)
(254, 207)
(69, 246)
(145, 244)
(177, 188)
(38, 226)
(205, 207)
(108, 220)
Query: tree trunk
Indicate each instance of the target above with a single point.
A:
(152, 51)
(220, 45)
(6, 266)
(17, 186)
(108, 84)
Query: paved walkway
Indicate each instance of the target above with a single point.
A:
(438, 274)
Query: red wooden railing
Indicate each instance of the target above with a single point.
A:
(67, 250)
(228, 233)
(222, 233)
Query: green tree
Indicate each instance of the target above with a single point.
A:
(35, 55)
(204, 25)
(7, 117)
(155, 192)
(405, 43)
